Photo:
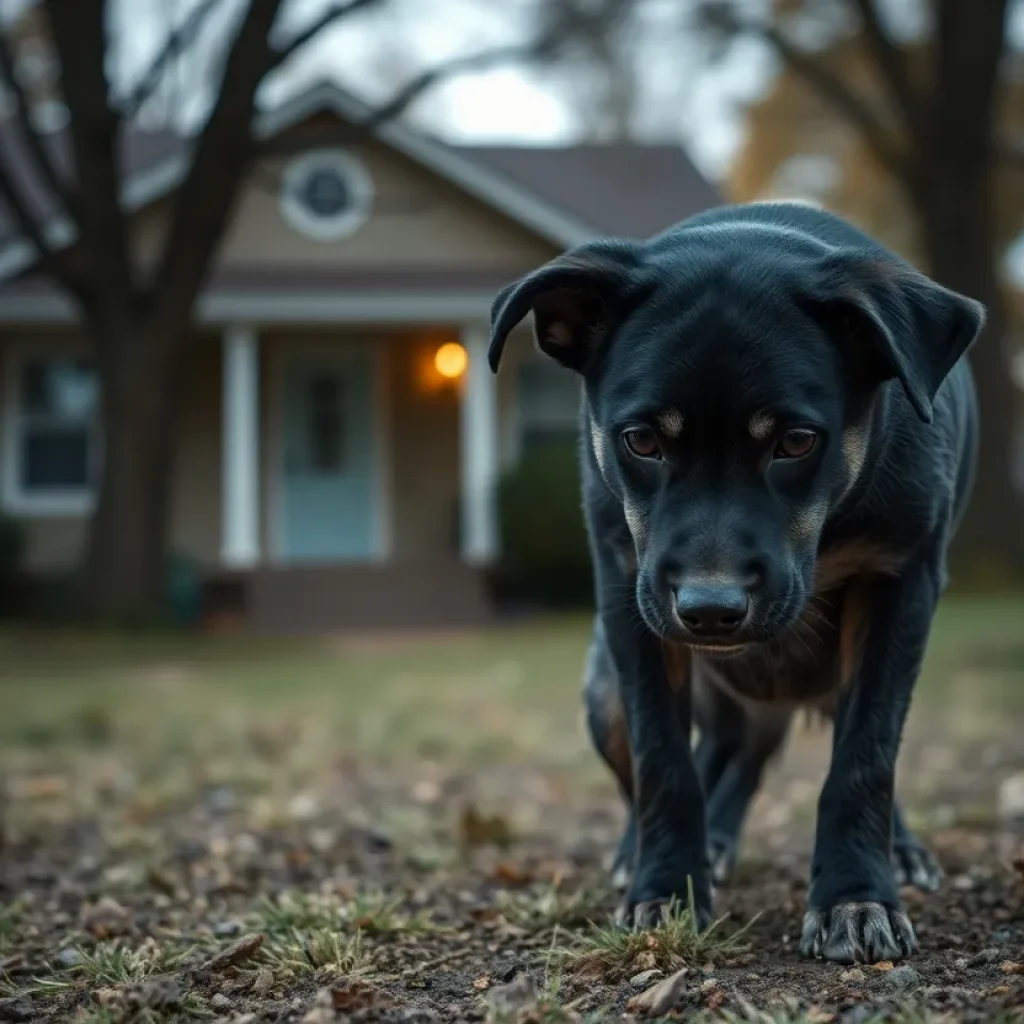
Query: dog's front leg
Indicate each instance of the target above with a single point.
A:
(667, 798)
(854, 912)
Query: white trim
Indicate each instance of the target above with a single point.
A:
(240, 448)
(277, 532)
(77, 503)
(357, 181)
(479, 455)
(520, 204)
(277, 309)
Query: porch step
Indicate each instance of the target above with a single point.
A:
(304, 599)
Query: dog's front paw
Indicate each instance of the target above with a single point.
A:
(645, 905)
(849, 933)
(721, 858)
(913, 864)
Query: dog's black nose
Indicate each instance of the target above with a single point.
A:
(712, 610)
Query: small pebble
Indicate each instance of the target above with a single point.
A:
(225, 929)
(219, 1001)
(854, 974)
(644, 978)
(902, 978)
(69, 957)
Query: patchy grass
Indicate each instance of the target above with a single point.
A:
(323, 950)
(614, 953)
(552, 907)
(425, 814)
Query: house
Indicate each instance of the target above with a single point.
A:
(341, 432)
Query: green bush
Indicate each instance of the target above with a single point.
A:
(545, 560)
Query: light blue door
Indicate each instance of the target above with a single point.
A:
(331, 456)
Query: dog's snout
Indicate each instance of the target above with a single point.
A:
(717, 610)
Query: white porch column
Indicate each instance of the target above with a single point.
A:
(240, 538)
(479, 450)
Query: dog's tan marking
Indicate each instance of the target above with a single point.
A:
(597, 443)
(841, 563)
(677, 665)
(636, 522)
(617, 749)
(854, 449)
(761, 426)
(671, 422)
(559, 334)
(852, 629)
(806, 524)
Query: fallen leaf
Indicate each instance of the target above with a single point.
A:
(882, 965)
(518, 995)
(40, 787)
(107, 918)
(510, 873)
(1009, 967)
(660, 998)
(238, 952)
(482, 983)
(816, 1015)
(356, 995)
(480, 830)
(264, 981)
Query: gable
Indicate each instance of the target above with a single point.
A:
(417, 221)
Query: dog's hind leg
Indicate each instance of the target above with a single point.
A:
(606, 724)
(912, 862)
(763, 732)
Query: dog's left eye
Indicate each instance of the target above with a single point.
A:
(795, 444)
(642, 442)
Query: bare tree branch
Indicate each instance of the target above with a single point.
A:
(206, 200)
(79, 36)
(180, 39)
(893, 66)
(720, 16)
(331, 15)
(479, 61)
(51, 259)
(45, 165)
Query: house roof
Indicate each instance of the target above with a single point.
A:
(565, 194)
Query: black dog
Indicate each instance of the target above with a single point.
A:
(778, 442)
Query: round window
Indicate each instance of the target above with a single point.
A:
(327, 194)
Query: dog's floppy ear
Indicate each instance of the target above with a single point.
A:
(573, 299)
(915, 328)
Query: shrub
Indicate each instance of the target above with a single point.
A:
(545, 559)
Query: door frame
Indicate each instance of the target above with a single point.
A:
(379, 350)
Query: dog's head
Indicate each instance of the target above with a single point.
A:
(731, 373)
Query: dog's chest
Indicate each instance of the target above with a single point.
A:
(804, 666)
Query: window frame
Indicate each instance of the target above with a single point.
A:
(357, 180)
(70, 502)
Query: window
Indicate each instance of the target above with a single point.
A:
(52, 443)
(324, 427)
(548, 403)
(326, 194)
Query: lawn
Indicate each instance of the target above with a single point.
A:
(415, 828)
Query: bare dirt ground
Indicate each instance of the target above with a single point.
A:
(418, 831)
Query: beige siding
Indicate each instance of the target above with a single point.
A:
(418, 221)
(56, 542)
(421, 461)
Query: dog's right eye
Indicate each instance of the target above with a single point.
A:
(642, 442)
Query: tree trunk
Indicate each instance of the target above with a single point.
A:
(126, 564)
(954, 204)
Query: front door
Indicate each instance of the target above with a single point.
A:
(331, 457)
